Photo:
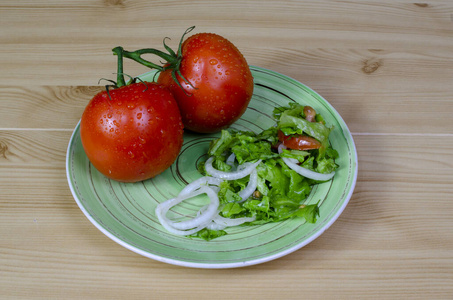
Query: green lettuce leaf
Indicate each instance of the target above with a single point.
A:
(208, 234)
(231, 209)
(218, 146)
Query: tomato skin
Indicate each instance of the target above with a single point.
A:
(133, 136)
(222, 83)
(301, 142)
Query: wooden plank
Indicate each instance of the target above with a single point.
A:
(42, 43)
(54, 107)
(376, 91)
(30, 148)
(393, 239)
(385, 102)
(386, 20)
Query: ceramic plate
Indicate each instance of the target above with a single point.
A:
(125, 211)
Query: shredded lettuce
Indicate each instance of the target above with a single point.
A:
(208, 234)
(281, 192)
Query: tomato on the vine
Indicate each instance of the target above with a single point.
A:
(133, 132)
(209, 78)
(219, 83)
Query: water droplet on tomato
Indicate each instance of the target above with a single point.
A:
(139, 116)
(109, 115)
(101, 121)
(142, 140)
(213, 62)
(131, 106)
(131, 154)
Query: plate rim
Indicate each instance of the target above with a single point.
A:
(244, 263)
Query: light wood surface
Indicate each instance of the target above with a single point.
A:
(386, 66)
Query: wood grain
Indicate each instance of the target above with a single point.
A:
(384, 91)
(44, 107)
(386, 66)
(381, 242)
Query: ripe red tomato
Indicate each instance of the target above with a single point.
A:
(133, 134)
(298, 142)
(209, 78)
(221, 84)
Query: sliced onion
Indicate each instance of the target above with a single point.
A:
(164, 222)
(203, 181)
(204, 217)
(171, 229)
(198, 222)
(214, 226)
(232, 222)
(208, 216)
(251, 186)
(303, 171)
(280, 150)
(230, 160)
(248, 168)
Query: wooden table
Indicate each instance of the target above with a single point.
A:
(386, 66)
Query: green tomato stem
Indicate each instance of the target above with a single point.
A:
(136, 56)
(172, 60)
(119, 51)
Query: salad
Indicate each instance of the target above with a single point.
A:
(258, 178)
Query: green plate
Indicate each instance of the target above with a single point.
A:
(125, 211)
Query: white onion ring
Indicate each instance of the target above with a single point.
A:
(214, 226)
(171, 229)
(280, 150)
(164, 222)
(232, 222)
(230, 160)
(198, 222)
(208, 216)
(194, 185)
(248, 168)
(303, 171)
(251, 186)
